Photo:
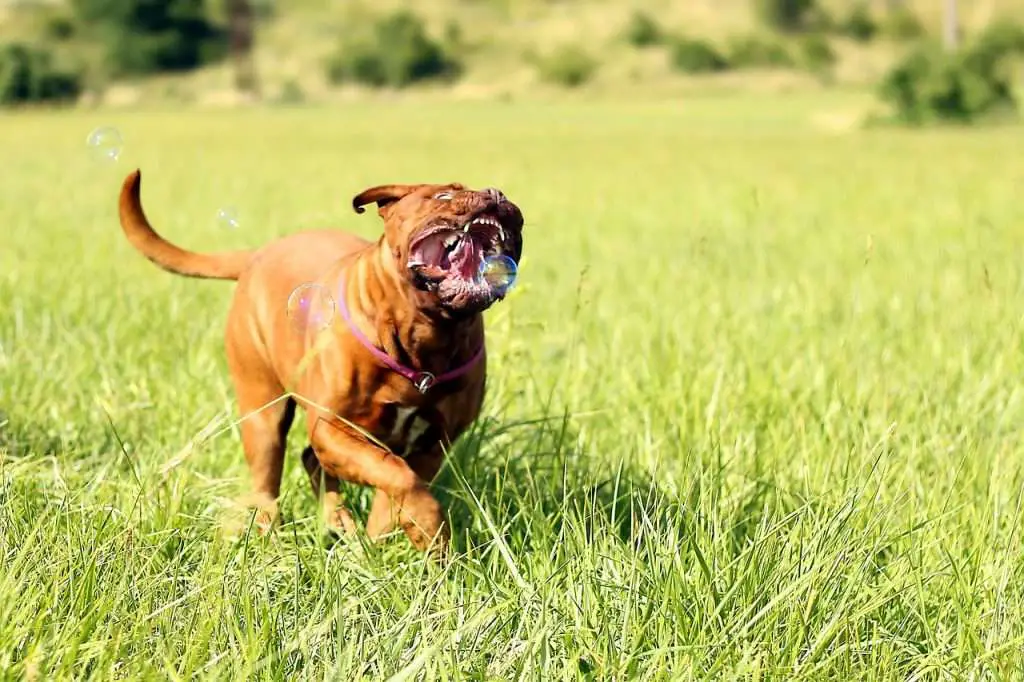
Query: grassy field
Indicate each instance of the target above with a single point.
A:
(754, 409)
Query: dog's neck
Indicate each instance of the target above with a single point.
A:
(412, 329)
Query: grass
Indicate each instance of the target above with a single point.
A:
(754, 410)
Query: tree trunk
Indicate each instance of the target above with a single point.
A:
(951, 26)
(241, 35)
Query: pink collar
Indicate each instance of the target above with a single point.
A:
(421, 380)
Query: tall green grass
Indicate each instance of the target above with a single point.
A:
(754, 408)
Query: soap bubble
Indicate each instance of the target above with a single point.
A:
(105, 143)
(499, 272)
(228, 217)
(310, 306)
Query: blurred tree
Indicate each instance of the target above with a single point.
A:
(395, 51)
(934, 84)
(29, 73)
(241, 36)
(144, 36)
(786, 15)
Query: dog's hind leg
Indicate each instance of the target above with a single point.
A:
(336, 516)
(266, 417)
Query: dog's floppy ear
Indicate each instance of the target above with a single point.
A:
(382, 195)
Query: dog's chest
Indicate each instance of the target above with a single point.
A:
(408, 430)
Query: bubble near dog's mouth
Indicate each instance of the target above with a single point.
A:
(447, 260)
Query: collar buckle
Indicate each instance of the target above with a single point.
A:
(423, 381)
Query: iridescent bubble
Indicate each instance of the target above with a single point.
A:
(228, 217)
(311, 306)
(499, 272)
(105, 143)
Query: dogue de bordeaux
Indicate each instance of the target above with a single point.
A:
(399, 372)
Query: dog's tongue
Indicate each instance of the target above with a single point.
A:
(465, 260)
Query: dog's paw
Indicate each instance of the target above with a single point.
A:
(264, 522)
(339, 522)
(424, 524)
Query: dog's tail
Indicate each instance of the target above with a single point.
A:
(141, 235)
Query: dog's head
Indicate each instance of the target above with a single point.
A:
(440, 235)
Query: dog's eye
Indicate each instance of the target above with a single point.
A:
(443, 196)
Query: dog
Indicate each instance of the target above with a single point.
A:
(397, 374)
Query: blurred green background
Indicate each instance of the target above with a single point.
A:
(958, 59)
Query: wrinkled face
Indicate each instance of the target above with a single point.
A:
(441, 234)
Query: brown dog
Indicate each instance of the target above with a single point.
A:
(398, 373)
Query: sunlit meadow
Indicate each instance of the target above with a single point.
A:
(754, 405)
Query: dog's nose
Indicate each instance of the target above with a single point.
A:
(494, 194)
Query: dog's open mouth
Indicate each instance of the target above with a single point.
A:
(447, 260)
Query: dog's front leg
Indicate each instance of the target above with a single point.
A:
(350, 457)
(384, 512)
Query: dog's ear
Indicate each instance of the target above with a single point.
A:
(383, 195)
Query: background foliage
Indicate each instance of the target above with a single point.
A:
(493, 49)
